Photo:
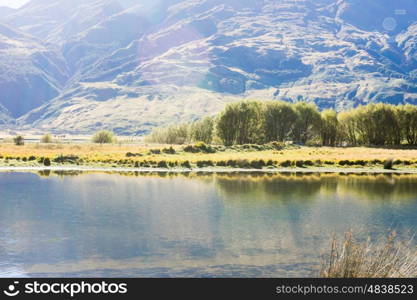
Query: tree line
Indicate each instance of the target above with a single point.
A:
(256, 122)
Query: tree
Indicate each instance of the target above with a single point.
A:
(329, 128)
(202, 131)
(378, 125)
(308, 122)
(407, 117)
(19, 140)
(103, 137)
(241, 123)
(347, 127)
(279, 121)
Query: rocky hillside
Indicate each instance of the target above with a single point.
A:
(80, 65)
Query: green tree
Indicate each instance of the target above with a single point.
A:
(347, 127)
(202, 131)
(241, 123)
(279, 121)
(308, 122)
(378, 124)
(329, 128)
(407, 116)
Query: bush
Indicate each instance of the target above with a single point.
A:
(19, 140)
(186, 164)
(388, 164)
(199, 147)
(66, 159)
(309, 163)
(103, 137)
(47, 162)
(243, 163)
(46, 139)
(221, 163)
(299, 163)
(360, 162)
(169, 150)
(258, 164)
(285, 163)
(344, 163)
(31, 158)
(155, 151)
(130, 154)
(162, 164)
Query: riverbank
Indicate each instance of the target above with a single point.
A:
(246, 158)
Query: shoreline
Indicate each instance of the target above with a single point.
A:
(212, 170)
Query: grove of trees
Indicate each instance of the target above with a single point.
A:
(256, 122)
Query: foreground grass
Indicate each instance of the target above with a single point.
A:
(157, 156)
(388, 258)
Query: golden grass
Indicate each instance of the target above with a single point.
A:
(388, 258)
(116, 154)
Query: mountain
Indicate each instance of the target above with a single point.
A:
(130, 66)
(30, 73)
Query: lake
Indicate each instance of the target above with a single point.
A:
(190, 225)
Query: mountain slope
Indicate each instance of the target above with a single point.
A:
(135, 66)
(30, 73)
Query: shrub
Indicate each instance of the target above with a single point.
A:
(360, 162)
(258, 164)
(231, 163)
(66, 159)
(186, 164)
(47, 162)
(199, 147)
(308, 163)
(343, 162)
(31, 158)
(172, 164)
(243, 163)
(169, 150)
(130, 154)
(388, 164)
(270, 162)
(19, 140)
(46, 138)
(103, 137)
(285, 163)
(299, 163)
(162, 164)
(221, 163)
(155, 151)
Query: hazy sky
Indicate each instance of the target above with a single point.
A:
(13, 3)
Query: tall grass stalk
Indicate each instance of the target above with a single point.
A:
(385, 258)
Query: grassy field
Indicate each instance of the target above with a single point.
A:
(162, 156)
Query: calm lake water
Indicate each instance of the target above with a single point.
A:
(159, 225)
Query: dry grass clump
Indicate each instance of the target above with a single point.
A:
(386, 258)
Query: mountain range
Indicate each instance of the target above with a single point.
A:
(76, 66)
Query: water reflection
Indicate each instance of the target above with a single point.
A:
(189, 224)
